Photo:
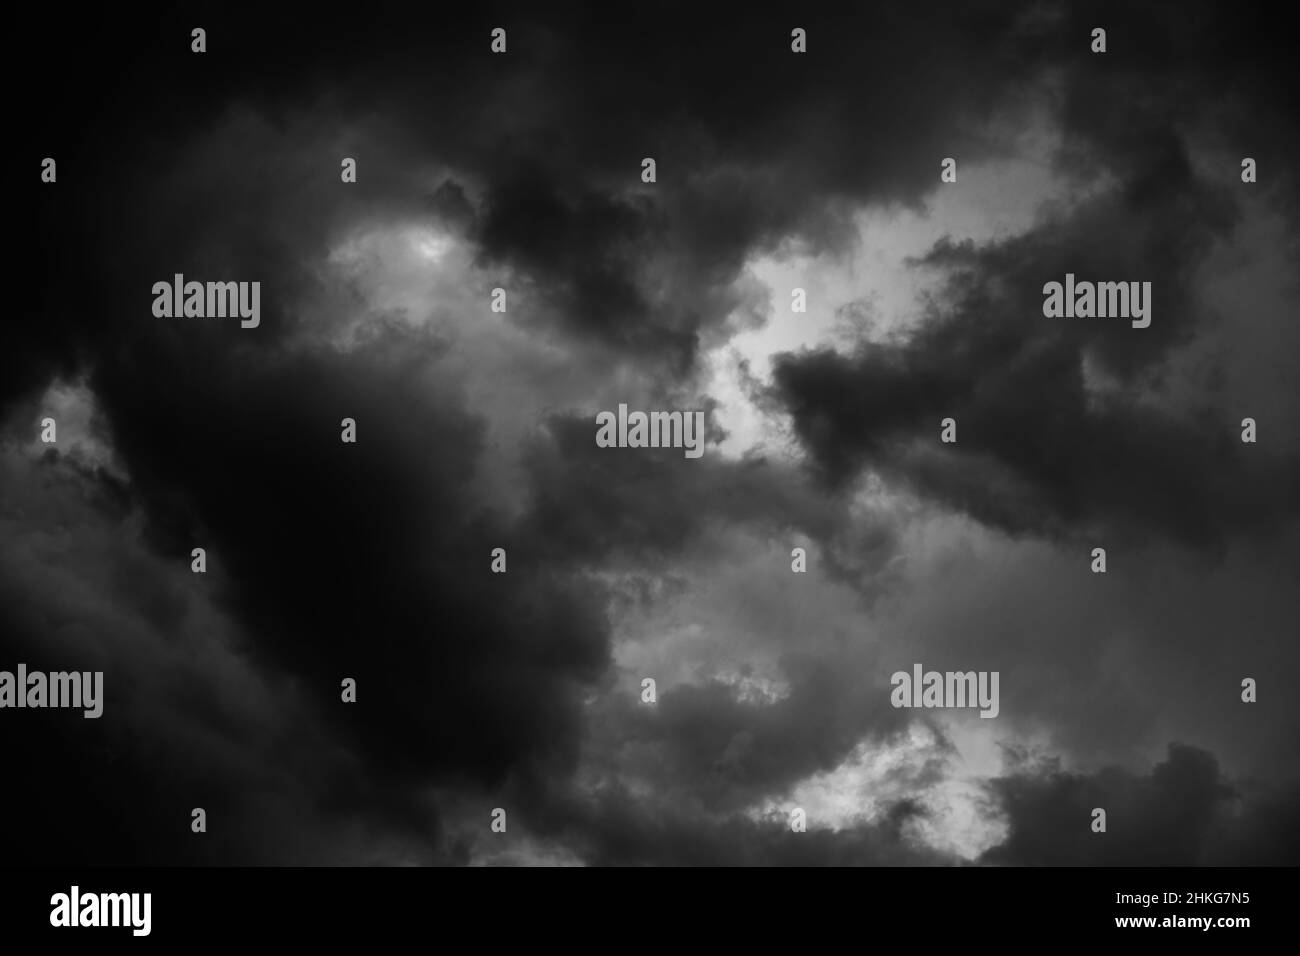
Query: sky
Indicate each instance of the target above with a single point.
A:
(523, 691)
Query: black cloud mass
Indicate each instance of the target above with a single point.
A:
(475, 430)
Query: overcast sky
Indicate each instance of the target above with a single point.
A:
(476, 431)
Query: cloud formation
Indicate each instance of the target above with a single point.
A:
(476, 690)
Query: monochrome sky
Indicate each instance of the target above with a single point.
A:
(476, 431)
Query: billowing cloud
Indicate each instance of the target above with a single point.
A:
(476, 690)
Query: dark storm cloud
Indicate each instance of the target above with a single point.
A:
(1216, 69)
(1040, 447)
(754, 145)
(371, 560)
(748, 156)
(372, 566)
(184, 723)
(374, 562)
(1183, 813)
